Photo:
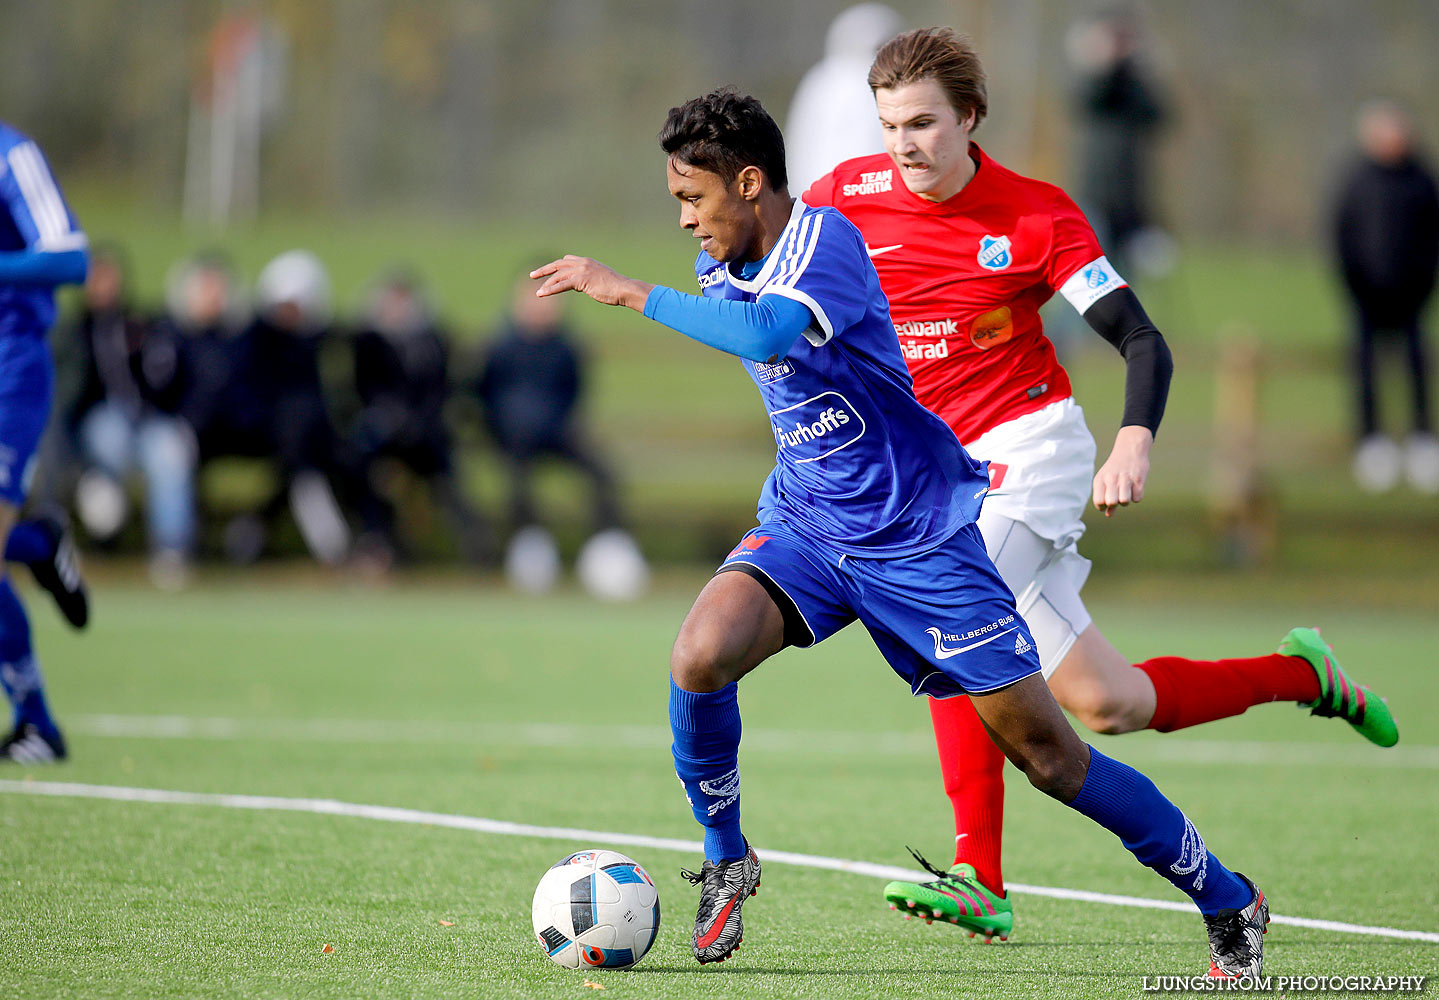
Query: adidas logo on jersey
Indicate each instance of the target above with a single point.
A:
(871, 182)
(1021, 644)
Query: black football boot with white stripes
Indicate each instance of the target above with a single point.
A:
(60, 574)
(1236, 938)
(28, 745)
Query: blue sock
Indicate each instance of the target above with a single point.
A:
(1127, 804)
(19, 670)
(706, 731)
(29, 542)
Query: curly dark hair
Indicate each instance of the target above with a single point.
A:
(723, 132)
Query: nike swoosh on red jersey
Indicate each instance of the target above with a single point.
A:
(876, 251)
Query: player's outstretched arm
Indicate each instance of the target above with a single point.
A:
(44, 267)
(589, 277)
(56, 251)
(760, 331)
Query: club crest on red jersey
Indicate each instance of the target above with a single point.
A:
(994, 253)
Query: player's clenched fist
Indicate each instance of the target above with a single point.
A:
(590, 277)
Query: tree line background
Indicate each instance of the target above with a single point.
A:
(547, 109)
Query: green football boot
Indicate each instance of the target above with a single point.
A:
(1338, 695)
(955, 896)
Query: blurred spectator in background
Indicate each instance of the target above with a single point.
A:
(401, 363)
(1120, 111)
(1386, 230)
(831, 118)
(125, 419)
(292, 324)
(530, 384)
(224, 400)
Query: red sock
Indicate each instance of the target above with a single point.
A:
(973, 770)
(1189, 692)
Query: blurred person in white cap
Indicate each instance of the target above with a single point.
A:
(831, 117)
(1386, 236)
(292, 323)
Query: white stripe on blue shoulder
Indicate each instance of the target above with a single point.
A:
(810, 243)
(42, 197)
(783, 252)
(32, 182)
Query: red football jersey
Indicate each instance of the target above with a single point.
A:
(965, 279)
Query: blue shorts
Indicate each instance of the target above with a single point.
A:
(27, 379)
(944, 620)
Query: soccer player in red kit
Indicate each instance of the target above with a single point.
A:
(967, 251)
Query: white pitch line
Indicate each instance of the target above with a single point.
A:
(1168, 750)
(392, 814)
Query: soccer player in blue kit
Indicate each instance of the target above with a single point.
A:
(41, 246)
(869, 515)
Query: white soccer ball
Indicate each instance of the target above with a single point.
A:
(596, 909)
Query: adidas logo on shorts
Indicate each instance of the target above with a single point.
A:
(1021, 644)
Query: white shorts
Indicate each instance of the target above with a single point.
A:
(1042, 475)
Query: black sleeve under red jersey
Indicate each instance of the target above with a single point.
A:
(1117, 316)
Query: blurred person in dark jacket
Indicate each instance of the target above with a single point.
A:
(530, 385)
(292, 324)
(1386, 232)
(402, 381)
(1121, 110)
(126, 419)
(225, 401)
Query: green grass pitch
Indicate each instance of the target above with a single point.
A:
(463, 699)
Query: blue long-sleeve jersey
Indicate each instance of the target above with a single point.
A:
(41, 244)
